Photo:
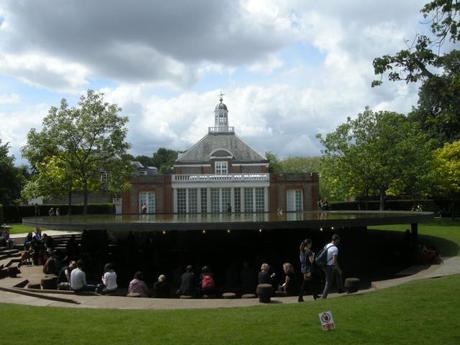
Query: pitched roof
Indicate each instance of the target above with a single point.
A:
(211, 143)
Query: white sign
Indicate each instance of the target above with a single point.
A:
(327, 321)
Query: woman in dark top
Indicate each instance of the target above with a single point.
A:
(306, 257)
(264, 274)
(161, 287)
(290, 281)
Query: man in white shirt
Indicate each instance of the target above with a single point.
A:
(78, 279)
(331, 267)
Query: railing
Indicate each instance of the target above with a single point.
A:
(208, 178)
(223, 129)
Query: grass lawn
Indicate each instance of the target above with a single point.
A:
(419, 312)
(443, 233)
(19, 228)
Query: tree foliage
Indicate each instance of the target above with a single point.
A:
(11, 178)
(446, 168)
(80, 147)
(378, 153)
(438, 110)
(163, 159)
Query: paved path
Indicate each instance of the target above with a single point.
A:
(450, 266)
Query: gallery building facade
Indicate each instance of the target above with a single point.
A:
(220, 174)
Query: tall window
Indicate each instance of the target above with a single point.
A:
(204, 200)
(237, 200)
(181, 200)
(192, 200)
(248, 200)
(260, 200)
(294, 201)
(146, 202)
(215, 205)
(226, 200)
(221, 168)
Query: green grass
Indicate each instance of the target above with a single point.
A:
(420, 312)
(443, 233)
(19, 228)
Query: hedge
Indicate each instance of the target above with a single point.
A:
(14, 214)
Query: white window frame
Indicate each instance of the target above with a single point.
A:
(149, 199)
(221, 168)
(294, 200)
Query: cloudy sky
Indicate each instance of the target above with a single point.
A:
(289, 69)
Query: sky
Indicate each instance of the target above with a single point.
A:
(289, 69)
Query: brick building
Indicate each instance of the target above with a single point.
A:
(221, 174)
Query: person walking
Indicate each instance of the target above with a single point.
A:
(306, 257)
(331, 268)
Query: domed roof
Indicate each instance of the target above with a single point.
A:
(221, 105)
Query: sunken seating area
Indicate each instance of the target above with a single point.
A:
(9, 262)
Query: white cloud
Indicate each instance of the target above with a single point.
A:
(266, 66)
(278, 118)
(16, 124)
(143, 42)
(279, 93)
(43, 70)
(10, 98)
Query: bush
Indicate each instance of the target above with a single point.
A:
(1, 214)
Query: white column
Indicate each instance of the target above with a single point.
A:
(186, 200)
(208, 199)
(220, 200)
(198, 200)
(232, 199)
(266, 201)
(242, 200)
(253, 200)
(175, 200)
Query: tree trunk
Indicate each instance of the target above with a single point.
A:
(382, 200)
(85, 197)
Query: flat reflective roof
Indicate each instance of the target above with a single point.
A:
(224, 221)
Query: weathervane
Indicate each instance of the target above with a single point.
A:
(221, 94)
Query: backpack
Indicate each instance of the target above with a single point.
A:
(321, 258)
(207, 282)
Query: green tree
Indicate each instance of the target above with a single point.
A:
(52, 177)
(446, 169)
(301, 164)
(164, 160)
(436, 67)
(11, 178)
(378, 153)
(274, 164)
(145, 160)
(438, 107)
(87, 144)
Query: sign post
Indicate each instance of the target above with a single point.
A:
(327, 321)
